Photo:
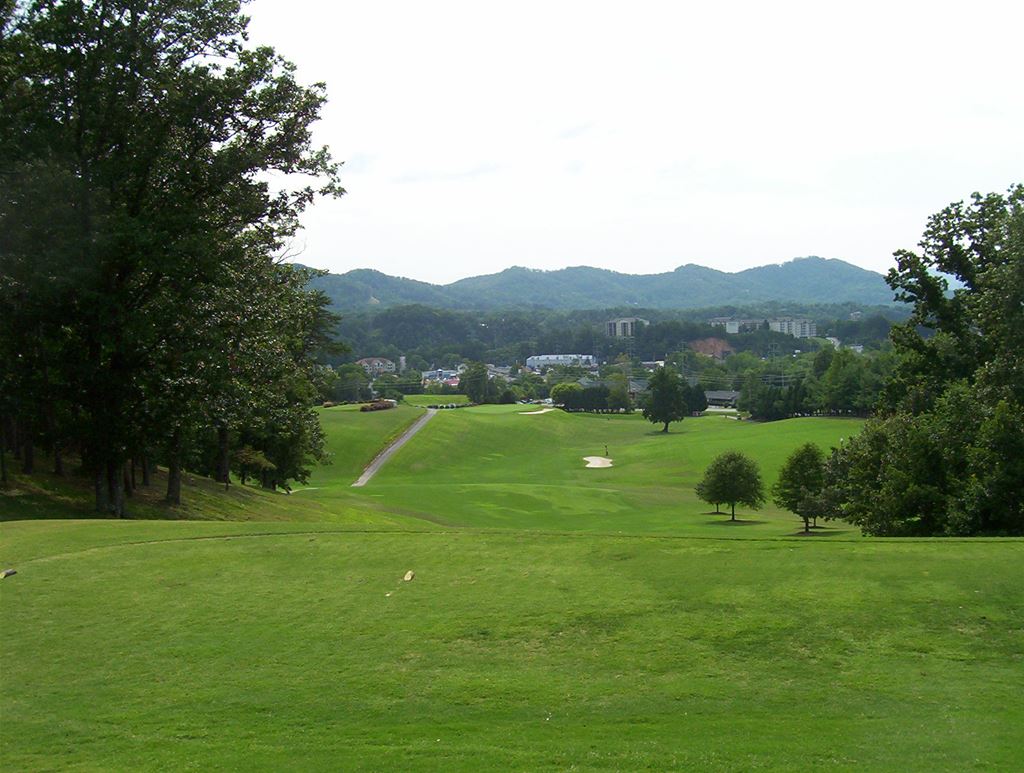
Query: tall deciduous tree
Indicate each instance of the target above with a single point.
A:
(944, 458)
(667, 402)
(800, 483)
(159, 125)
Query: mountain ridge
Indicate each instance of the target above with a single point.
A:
(809, 279)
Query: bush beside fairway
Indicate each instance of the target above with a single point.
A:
(494, 466)
(526, 651)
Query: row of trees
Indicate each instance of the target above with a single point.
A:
(944, 455)
(834, 382)
(429, 336)
(733, 478)
(143, 318)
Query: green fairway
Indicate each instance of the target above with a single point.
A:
(354, 437)
(424, 400)
(503, 466)
(560, 617)
(507, 651)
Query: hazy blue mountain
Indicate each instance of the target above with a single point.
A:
(806, 280)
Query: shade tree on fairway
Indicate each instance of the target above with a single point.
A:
(668, 399)
(732, 478)
(800, 483)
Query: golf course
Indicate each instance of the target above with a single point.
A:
(487, 601)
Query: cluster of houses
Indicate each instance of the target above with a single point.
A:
(623, 327)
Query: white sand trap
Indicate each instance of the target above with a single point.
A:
(536, 413)
(597, 461)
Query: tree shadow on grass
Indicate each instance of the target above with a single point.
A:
(819, 531)
(737, 522)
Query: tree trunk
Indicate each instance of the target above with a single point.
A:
(115, 488)
(28, 462)
(268, 481)
(14, 438)
(126, 478)
(666, 427)
(223, 474)
(174, 470)
(100, 488)
(733, 511)
(3, 453)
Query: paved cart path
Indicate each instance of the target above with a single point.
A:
(387, 453)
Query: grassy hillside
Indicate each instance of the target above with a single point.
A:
(353, 439)
(520, 651)
(559, 617)
(500, 466)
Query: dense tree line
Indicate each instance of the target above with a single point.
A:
(430, 336)
(831, 382)
(143, 318)
(945, 455)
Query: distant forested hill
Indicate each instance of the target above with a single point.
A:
(809, 280)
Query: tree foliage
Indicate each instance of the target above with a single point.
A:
(945, 456)
(800, 483)
(732, 478)
(136, 235)
(668, 399)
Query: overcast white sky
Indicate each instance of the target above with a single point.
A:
(639, 136)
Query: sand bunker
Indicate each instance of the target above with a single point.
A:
(535, 413)
(597, 461)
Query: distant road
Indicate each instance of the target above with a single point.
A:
(387, 453)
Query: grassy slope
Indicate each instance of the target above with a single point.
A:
(171, 644)
(525, 651)
(353, 439)
(424, 400)
(492, 466)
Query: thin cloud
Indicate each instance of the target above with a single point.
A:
(475, 173)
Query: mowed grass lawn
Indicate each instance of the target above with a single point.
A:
(498, 466)
(192, 646)
(559, 618)
(355, 437)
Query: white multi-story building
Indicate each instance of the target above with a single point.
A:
(547, 360)
(376, 366)
(733, 325)
(625, 327)
(798, 328)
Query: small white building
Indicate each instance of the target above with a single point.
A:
(548, 360)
